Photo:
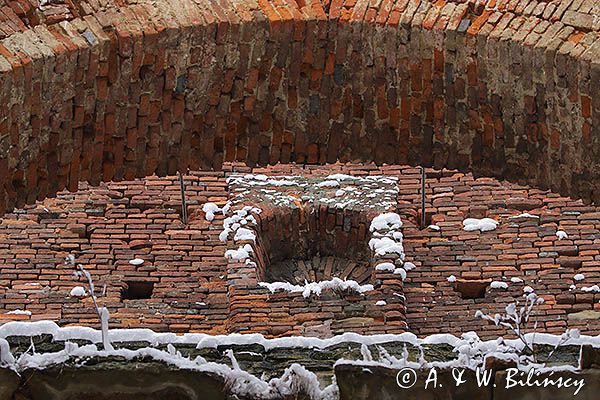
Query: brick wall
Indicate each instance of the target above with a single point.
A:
(106, 226)
(308, 240)
(502, 88)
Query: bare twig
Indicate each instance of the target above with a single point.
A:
(103, 314)
(516, 319)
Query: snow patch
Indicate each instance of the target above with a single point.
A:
(498, 285)
(401, 272)
(329, 183)
(483, 224)
(244, 234)
(385, 221)
(386, 245)
(525, 215)
(240, 218)
(212, 341)
(386, 266)
(6, 357)
(310, 288)
(409, 266)
(210, 209)
(241, 253)
(19, 312)
(341, 177)
(78, 291)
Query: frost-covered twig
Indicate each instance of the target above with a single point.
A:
(517, 318)
(564, 338)
(103, 314)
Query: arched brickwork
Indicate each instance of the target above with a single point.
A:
(107, 92)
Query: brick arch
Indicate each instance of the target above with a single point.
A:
(498, 88)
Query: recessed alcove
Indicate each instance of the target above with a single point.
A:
(314, 243)
(472, 288)
(137, 290)
(316, 253)
(314, 228)
(318, 268)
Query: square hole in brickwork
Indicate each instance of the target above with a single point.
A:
(137, 290)
(472, 288)
(315, 243)
(314, 228)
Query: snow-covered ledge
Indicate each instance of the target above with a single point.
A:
(236, 364)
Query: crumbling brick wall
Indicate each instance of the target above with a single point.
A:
(106, 226)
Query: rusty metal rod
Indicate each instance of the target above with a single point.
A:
(184, 215)
(423, 197)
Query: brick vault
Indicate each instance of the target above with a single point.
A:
(115, 90)
(249, 166)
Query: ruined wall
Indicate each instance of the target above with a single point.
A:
(109, 92)
(107, 226)
(305, 368)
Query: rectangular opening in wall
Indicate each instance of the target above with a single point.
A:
(472, 288)
(137, 290)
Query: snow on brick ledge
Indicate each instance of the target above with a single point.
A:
(238, 360)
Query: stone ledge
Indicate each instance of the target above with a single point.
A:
(357, 382)
(362, 370)
(121, 379)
